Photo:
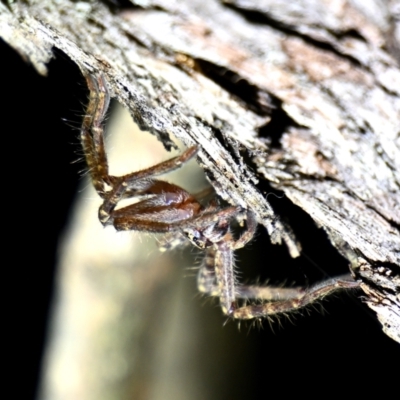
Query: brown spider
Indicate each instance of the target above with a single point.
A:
(166, 208)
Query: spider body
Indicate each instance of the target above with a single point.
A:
(162, 207)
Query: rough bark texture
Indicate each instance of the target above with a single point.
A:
(299, 97)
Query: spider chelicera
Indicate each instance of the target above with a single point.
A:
(162, 207)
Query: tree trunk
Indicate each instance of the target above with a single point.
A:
(300, 100)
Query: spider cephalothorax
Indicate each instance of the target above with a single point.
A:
(162, 207)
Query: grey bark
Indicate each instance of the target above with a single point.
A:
(308, 93)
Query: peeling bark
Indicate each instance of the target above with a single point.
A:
(300, 98)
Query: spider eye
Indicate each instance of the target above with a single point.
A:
(196, 239)
(199, 243)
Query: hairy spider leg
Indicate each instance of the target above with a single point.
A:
(169, 208)
(305, 297)
(281, 300)
(92, 136)
(159, 213)
(216, 277)
(207, 284)
(162, 193)
(92, 133)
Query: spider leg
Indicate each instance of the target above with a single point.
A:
(92, 137)
(207, 284)
(142, 182)
(225, 277)
(216, 277)
(211, 217)
(305, 297)
(157, 220)
(165, 205)
(277, 293)
(284, 300)
(162, 168)
(171, 240)
(92, 132)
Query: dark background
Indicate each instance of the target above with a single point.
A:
(343, 346)
(40, 120)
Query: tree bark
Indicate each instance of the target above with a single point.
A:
(294, 98)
